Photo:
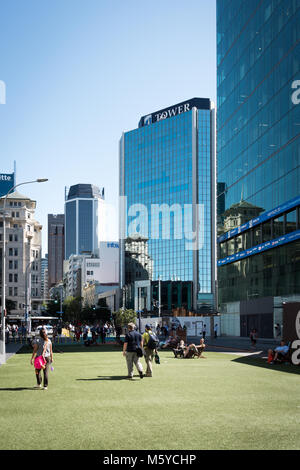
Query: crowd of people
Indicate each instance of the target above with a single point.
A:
(15, 331)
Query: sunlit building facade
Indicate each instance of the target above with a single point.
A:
(258, 156)
(167, 182)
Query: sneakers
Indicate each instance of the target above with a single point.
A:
(141, 375)
(37, 386)
(45, 388)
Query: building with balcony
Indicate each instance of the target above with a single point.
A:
(23, 254)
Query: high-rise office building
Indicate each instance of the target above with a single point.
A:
(84, 220)
(56, 248)
(167, 190)
(258, 125)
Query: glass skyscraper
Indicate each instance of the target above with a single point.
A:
(84, 217)
(258, 155)
(56, 248)
(167, 175)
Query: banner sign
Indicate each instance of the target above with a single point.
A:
(262, 218)
(260, 248)
(7, 182)
(199, 103)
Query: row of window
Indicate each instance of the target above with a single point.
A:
(269, 230)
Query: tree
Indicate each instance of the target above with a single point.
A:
(123, 317)
(52, 307)
(72, 309)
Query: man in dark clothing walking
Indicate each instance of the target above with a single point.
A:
(132, 342)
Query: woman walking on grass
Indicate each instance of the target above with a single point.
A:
(42, 347)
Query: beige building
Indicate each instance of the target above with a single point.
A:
(23, 253)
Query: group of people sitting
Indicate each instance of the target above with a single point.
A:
(180, 349)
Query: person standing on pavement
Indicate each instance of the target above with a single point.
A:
(42, 347)
(204, 331)
(216, 330)
(131, 343)
(148, 352)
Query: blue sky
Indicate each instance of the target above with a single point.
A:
(80, 72)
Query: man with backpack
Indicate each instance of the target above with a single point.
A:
(132, 343)
(149, 343)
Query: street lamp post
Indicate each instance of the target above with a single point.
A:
(3, 308)
(159, 296)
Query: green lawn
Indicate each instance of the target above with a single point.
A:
(221, 402)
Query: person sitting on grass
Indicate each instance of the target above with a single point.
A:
(278, 354)
(179, 351)
(192, 350)
(171, 342)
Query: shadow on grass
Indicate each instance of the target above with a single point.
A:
(16, 389)
(105, 377)
(260, 362)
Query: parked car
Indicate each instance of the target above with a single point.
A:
(49, 329)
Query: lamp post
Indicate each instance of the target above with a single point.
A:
(3, 309)
(159, 296)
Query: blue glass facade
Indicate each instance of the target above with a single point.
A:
(85, 225)
(258, 124)
(166, 175)
(70, 231)
(82, 220)
(258, 128)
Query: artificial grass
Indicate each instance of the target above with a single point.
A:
(221, 402)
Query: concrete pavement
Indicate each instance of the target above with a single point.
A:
(235, 344)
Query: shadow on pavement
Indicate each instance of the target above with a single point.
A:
(260, 362)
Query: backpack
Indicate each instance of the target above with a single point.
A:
(153, 341)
